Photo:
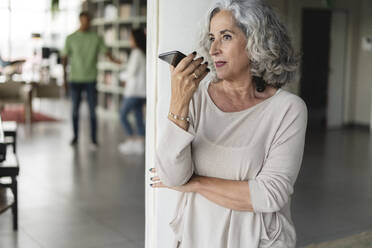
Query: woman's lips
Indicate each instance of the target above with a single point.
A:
(220, 63)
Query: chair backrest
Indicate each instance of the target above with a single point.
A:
(10, 89)
(2, 143)
(1, 131)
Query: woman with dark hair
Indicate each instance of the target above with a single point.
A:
(134, 94)
(233, 145)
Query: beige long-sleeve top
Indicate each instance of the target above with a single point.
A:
(135, 75)
(262, 145)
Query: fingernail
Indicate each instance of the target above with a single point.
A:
(194, 53)
(206, 63)
(150, 169)
(151, 185)
(202, 58)
(151, 178)
(208, 70)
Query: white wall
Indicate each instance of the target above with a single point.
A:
(363, 82)
(336, 77)
(172, 25)
(357, 89)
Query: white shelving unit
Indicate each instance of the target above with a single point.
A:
(115, 31)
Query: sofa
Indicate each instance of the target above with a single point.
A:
(17, 92)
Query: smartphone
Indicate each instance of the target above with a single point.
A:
(172, 57)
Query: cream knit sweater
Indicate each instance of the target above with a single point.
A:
(262, 145)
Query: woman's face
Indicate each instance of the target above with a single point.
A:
(227, 48)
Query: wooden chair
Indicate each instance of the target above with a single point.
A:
(17, 92)
(9, 169)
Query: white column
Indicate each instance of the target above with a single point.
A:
(171, 25)
(151, 67)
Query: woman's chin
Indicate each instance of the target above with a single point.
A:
(221, 75)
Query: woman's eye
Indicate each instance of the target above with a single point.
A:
(227, 37)
(211, 39)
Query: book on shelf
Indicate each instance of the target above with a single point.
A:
(110, 12)
(124, 33)
(123, 56)
(143, 10)
(126, 10)
(98, 12)
(110, 36)
(107, 101)
(107, 79)
(121, 83)
(100, 77)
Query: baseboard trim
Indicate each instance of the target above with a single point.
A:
(357, 126)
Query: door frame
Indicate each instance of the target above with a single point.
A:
(294, 24)
(337, 61)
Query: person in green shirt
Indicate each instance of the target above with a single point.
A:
(81, 52)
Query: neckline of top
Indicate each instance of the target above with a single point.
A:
(214, 106)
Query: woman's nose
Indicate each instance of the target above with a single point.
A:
(215, 48)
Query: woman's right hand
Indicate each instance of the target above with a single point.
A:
(185, 78)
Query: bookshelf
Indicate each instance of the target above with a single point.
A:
(113, 20)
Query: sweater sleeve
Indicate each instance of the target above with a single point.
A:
(272, 187)
(173, 153)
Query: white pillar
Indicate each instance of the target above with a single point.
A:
(171, 25)
(151, 67)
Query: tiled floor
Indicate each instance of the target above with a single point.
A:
(76, 197)
(81, 198)
(333, 194)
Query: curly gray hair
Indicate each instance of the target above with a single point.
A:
(268, 45)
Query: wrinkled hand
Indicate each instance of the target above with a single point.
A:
(190, 186)
(185, 78)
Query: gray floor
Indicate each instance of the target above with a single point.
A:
(333, 193)
(79, 198)
(76, 197)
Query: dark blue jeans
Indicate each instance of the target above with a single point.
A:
(135, 104)
(76, 91)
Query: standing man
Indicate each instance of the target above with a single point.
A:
(81, 51)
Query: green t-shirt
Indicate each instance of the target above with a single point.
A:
(82, 50)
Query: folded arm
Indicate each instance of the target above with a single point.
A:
(270, 190)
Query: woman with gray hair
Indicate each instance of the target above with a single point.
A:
(233, 146)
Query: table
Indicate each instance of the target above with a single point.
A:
(10, 134)
(10, 168)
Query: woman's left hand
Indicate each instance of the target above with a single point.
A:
(190, 186)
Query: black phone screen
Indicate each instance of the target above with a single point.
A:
(172, 57)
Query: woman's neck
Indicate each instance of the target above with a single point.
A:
(240, 89)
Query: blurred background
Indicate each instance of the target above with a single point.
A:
(75, 196)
